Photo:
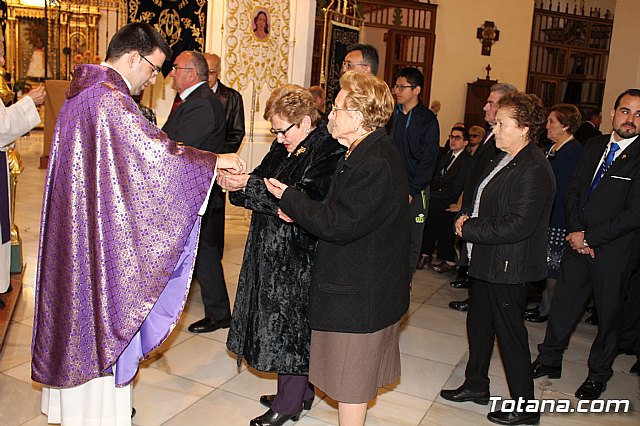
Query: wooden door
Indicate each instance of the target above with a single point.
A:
(407, 48)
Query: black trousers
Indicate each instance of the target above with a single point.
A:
(208, 267)
(579, 277)
(496, 311)
(439, 229)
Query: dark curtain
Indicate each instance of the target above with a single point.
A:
(182, 23)
(340, 37)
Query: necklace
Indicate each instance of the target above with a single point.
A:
(355, 143)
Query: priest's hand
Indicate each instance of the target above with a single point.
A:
(275, 187)
(37, 95)
(231, 182)
(232, 163)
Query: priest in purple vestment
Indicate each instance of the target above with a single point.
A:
(118, 236)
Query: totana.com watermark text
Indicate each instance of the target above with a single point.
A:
(560, 405)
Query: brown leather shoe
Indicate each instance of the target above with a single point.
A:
(444, 268)
(424, 260)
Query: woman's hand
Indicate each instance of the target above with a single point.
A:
(284, 217)
(275, 187)
(231, 182)
(459, 222)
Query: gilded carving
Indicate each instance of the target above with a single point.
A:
(263, 60)
(169, 26)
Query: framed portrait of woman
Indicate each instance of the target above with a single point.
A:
(260, 23)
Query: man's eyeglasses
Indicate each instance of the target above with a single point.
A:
(175, 68)
(403, 86)
(334, 108)
(350, 65)
(156, 69)
(282, 132)
(455, 137)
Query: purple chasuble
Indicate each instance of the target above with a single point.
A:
(118, 235)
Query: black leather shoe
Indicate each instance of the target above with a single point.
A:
(271, 418)
(462, 395)
(593, 319)
(590, 389)
(425, 260)
(460, 283)
(207, 325)
(267, 400)
(635, 368)
(460, 305)
(506, 418)
(531, 311)
(540, 370)
(536, 317)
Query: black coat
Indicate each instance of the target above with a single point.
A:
(198, 121)
(446, 189)
(586, 131)
(611, 215)
(509, 235)
(268, 327)
(231, 101)
(360, 280)
(483, 156)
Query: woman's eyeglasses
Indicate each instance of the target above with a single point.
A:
(335, 108)
(282, 132)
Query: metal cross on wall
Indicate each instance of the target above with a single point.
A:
(488, 34)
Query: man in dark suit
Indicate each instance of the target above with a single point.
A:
(602, 205)
(446, 187)
(591, 125)
(199, 121)
(480, 160)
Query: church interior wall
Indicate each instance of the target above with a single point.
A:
(458, 59)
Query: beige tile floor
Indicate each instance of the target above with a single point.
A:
(194, 380)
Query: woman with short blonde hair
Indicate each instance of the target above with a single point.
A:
(360, 281)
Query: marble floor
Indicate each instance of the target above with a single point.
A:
(192, 379)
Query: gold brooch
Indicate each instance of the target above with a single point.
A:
(300, 150)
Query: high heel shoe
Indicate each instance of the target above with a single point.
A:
(271, 418)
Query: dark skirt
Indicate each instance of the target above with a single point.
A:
(350, 367)
(555, 248)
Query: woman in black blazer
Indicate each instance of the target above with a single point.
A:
(506, 236)
(360, 278)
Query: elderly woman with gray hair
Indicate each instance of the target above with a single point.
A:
(360, 279)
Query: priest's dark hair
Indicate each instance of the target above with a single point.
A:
(138, 36)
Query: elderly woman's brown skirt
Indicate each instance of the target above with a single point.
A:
(350, 367)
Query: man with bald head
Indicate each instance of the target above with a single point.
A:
(231, 100)
(209, 267)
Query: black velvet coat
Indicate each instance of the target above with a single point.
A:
(268, 327)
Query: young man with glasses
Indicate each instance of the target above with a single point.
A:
(118, 235)
(476, 136)
(416, 134)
